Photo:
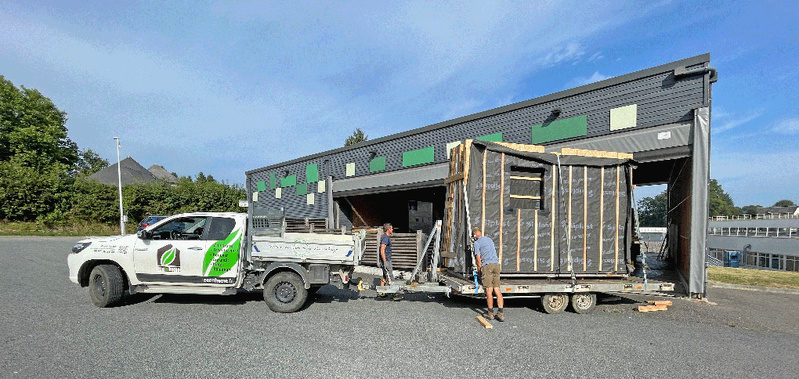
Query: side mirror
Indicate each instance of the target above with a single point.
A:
(144, 234)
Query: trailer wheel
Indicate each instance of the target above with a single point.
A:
(105, 285)
(583, 302)
(555, 302)
(284, 292)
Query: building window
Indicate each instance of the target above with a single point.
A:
(526, 188)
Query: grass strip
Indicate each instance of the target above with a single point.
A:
(753, 277)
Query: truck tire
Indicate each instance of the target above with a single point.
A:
(583, 302)
(284, 292)
(554, 302)
(106, 285)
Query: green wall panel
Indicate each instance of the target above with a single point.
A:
(377, 164)
(272, 181)
(311, 173)
(261, 186)
(302, 189)
(496, 137)
(415, 157)
(560, 129)
(288, 181)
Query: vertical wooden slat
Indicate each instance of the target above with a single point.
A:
(585, 218)
(535, 241)
(518, 236)
(502, 205)
(569, 224)
(616, 225)
(554, 213)
(483, 215)
(601, 214)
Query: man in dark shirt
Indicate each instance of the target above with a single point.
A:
(385, 254)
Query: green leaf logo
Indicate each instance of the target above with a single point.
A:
(168, 257)
(222, 255)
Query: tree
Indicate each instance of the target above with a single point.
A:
(356, 137)
(89, 162)
(720, 202)
(751, 209)
(652, 210)
(785, 203)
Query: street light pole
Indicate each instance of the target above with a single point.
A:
(119, 176)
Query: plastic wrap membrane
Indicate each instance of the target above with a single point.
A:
(549, 214)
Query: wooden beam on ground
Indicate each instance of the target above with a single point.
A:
(659, 302)
(484, 322)
(652, 308)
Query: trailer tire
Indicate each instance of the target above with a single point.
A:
(285, 292)
(583, 302)
(106, 285)
(554, 302)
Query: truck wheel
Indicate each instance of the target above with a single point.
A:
(583, 302)
(554, 302)
(284, 292)
(106, 286)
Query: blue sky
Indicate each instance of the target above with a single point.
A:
(225, 87)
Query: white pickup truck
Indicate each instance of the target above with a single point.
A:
(215, 253)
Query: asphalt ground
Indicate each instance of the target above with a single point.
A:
(49, 328)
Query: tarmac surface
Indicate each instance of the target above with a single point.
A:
(49, 328)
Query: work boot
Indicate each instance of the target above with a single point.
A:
(488, 315)
(499, 317)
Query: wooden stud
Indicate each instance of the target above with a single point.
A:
(518, 238)
(553, 212)
(659, 302)
(585, 218)
(601, 215)
(616, 225)
(569, 224)
(485, 323)
(595, 153)
(502, 203)
(453, 178)
(535, 240)
(483, 215)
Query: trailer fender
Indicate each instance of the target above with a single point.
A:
(283, 266)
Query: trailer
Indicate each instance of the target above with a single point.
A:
(562, 223)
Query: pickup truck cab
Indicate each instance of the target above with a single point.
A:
(213, 253)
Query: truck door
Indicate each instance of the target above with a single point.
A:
(173, 252)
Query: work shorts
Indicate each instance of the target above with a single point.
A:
(490, 275)
(388, 271)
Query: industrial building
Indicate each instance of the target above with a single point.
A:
(661, 115)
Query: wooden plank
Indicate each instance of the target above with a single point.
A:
(525, 197)
(616, 225)
(569, 223)
(483, 215)
(535, 240)
(601, 215)
(485, 323)
(595, 153)
(518, 238)
(453, 178)
(659, 302)
(502, 205)
(531, 178)
(553, 212)
(585, 218)
(652, 308)
(523, 147)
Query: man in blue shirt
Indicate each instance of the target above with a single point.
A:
(385, 254)
(488, 267)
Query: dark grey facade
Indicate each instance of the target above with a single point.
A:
(661, 115)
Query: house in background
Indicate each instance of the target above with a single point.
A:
(132, 173)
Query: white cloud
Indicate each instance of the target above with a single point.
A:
(789, 126)
(732, 121)
(583, 80)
